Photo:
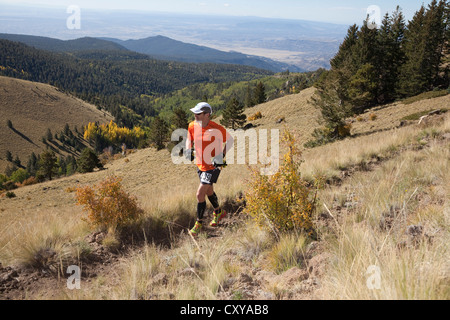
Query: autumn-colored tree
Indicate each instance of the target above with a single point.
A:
(283, 201)
(112, 134)
(108, 205)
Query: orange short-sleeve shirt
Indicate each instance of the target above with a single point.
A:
(208, 142)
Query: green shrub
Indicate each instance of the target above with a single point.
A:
(10, 195)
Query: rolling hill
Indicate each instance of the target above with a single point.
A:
(33, 108)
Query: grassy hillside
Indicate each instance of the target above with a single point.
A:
(382, 223)
(33, 108)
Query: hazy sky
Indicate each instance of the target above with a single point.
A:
(346, 12)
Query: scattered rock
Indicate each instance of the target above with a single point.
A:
(96, 237)
(318, 264)
(435, 112)
(291, 277)
(265, 277)
(160, 279)
(415, 235)
(245, 278)
(248, 126)
(8, 276)
(45, 258)
(264, 295)
(415, 231)
(388, 217)
(187, 272)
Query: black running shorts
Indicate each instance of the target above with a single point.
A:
(209, 177)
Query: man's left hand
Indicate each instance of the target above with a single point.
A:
(218, 160)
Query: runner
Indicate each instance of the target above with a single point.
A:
(211, 142)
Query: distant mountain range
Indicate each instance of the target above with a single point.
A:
(166, 48)
(308, 45)
(158, 47)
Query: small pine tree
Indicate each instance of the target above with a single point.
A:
(260, 93)
(180, 119)
(334, 109)
(71, 165)
(32, 164)
(47, 165)
(17, 161)
(362, 88)
(159, 131)
(249, 100)
(49, 135)
(233, 115)
(9, 156)
(88, 161)
(67, 129)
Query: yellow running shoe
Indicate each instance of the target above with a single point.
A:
(196, 229)
(217, 217)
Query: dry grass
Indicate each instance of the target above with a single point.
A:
(410, 190)
(406, 185)
(42, 239)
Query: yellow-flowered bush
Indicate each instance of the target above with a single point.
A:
(108, 205)
(283, 201)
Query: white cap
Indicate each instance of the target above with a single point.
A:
(202, 107)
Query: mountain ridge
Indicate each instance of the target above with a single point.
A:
(169, 49)
(58, 45)
(157, 47)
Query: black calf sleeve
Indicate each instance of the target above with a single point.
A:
(214, 201)
(201, 207)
